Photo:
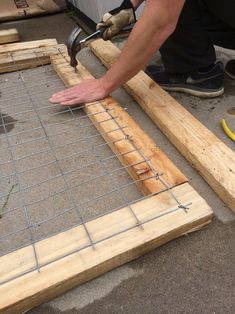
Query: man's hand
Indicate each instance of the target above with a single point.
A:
(87, 91)
(117, 19)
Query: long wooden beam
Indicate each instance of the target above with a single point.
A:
(9, 36)
(162, 222)
(28, 45)
(21, 59)
(209, 155)
(109, 117)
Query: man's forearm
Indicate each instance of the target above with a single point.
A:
(155, 25)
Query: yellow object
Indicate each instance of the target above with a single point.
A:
(227, 130)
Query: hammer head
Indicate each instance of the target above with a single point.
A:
(74, 46)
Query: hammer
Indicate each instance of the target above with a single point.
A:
(75, 45)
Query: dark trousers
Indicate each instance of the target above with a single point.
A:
(202, 24)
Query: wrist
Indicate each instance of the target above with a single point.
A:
(107, 85)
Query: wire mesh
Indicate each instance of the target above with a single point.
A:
(56, 171)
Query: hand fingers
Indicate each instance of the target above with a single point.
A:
(65, 95)
(75, 101)
(66, 101)
(62, 98)
(100, 25)
(110, 32)
(65, 92)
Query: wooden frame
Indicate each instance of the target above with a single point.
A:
(43, 43)
(116, 236)
(209, 155)
(27, 55)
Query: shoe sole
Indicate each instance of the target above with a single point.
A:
(202, 94)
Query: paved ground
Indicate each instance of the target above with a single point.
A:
(194, 274)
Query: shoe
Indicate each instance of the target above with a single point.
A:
(230, 69)
(207, 82)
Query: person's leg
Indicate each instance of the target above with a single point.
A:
(221, 27)
(202, 24)
(220, 22)
(189, 47)
(189, 56)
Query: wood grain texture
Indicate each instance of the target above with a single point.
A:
(35, 288)
(9, 36)
(25, 59)
(206, 153)
(28, 45)
(134, 136)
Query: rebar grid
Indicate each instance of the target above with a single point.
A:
(66, 191)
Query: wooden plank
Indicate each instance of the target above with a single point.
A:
(28, 45)
(9, 36)
(35, 288)
(25, 59)
(134, 136)
(209, 155)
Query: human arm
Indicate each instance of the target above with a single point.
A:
(117, 19)
(157, 22)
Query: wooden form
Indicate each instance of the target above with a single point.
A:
(28, 45)
(117, 238)
(9, 36)
(32, 289)
(26, 58)
(137, 138)
(209, 155)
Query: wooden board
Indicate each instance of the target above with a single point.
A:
(35, 288)
(209, 155)
(28, 45)
(137, 138)
(9, 36)
(26, 59)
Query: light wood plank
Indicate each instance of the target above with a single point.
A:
(28, 45)
(136, 138)
(33, 289)
(25, 59)
(9, 36)
(209, 155)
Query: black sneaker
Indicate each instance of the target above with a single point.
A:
(230, 69)
(207, 82)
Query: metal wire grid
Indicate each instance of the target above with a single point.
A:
(40, 142)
